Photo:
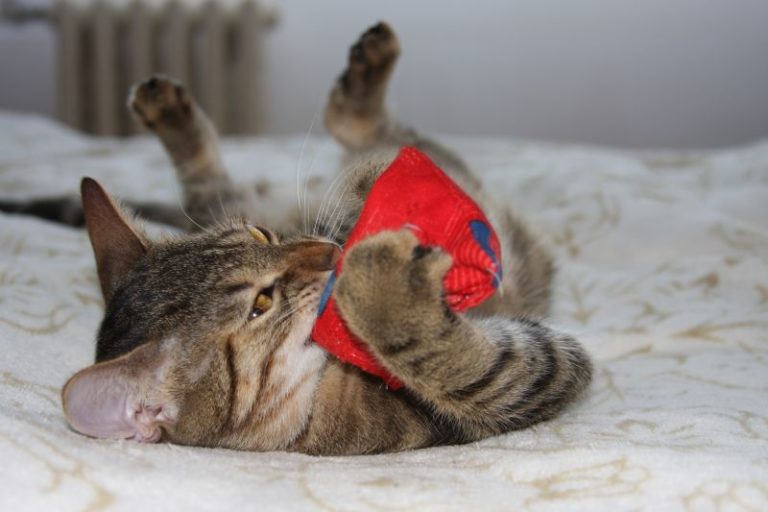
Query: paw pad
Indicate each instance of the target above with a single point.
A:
(160, 101)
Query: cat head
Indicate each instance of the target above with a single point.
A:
(201, 334)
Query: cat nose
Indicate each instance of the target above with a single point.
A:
(334, 256)
(316, 256)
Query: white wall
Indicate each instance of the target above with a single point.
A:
(656, 73)
(27, 68)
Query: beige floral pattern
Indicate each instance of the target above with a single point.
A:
(663, 275)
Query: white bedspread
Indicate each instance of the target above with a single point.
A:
(663, 275)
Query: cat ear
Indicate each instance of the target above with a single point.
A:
(116, 244)
(123, 398)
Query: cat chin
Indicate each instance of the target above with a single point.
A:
(301, 336)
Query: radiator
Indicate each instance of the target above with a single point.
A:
(214, 48)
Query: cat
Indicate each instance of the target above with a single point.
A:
(206, 337)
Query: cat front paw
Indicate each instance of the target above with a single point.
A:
(390, 290)
(159, 102)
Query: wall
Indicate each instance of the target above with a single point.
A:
(687, 73)
(27, 68)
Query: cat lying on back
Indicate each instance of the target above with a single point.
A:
(206, 337)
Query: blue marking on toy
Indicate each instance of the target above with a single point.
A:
(327, 293)
(482, 233)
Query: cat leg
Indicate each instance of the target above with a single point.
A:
(488, 375)
(357, 116)
(190, 139)
(355, 113)
(68, 210)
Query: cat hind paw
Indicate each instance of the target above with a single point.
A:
(161, 102)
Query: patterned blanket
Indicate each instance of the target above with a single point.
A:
(663, 275)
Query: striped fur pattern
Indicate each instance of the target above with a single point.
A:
(206, 337)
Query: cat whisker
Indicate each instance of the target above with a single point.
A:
(302, 201)
(221, 204)
(213, 215)
(338, 219)
(303, 303)
(331, 193)
(323, 203)
(189, 218)
(306, 188)
(323, 213)
(286, 315)
(338, 223)
(337, 214)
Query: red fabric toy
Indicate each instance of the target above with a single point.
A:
(414, 193)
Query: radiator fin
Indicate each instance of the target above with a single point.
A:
(214, 48)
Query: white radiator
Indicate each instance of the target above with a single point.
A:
(214, 48)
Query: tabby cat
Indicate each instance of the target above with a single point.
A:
(206, 337)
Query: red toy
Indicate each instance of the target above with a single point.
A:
(414, 193)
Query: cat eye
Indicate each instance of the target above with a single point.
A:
(262, 303)
(259, 235)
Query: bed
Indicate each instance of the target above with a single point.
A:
(663, 275)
